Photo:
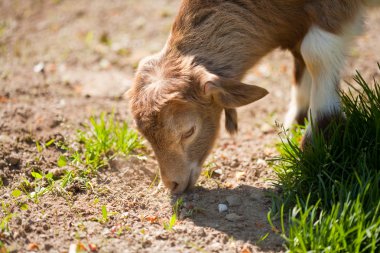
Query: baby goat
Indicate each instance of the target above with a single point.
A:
(179, 94)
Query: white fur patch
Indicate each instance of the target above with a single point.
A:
(323, 53)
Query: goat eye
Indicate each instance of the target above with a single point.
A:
(189, 133)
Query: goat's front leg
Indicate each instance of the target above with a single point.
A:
(300, 93)
(323, 53)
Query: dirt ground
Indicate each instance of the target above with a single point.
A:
(62, 61)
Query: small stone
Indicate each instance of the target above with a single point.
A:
(240, 175)
(13, 159)
(162, 236)
(124, 215)
(235, 163)
(93, 247)
(45, 227)
(218, 171)
(222, 208)
(266, 128)
(181, 228)
(105, 232)
(234, 217)
(18, 221)
(73, 248)
(201, 232)
(48, 247)
(261, 162)
(33, 247)
(40, 67)
(105, 64)
(233, 200)
(28, 228)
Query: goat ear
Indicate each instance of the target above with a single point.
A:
(231, 120)
(230, 93)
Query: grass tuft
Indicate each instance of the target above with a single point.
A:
(104, 139)
(100, 142)
(331, 191)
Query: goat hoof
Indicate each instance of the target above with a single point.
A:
(328, 128)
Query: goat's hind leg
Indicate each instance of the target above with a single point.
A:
(323, 53)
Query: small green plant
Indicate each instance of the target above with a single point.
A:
(178, 205)
(208, 170)
(102, 140)
(7, 216)
(104, 214)
(43, 183)
(169, 225)
(173, 219)
(62, 161)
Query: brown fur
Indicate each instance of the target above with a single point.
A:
(197, 75)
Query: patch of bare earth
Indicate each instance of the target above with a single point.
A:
(63, 61)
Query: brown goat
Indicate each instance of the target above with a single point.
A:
(179, 94)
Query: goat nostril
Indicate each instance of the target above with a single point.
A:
(175, 186)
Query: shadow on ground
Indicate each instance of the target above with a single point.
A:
(245, 219)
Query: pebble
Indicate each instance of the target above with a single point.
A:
(201, 232)
(233, 200)
(181, 228)
(162, 236)
(266, 128)
(105, 232)
(218, 172)
(261, 162)
(235, 163)
(38, 68)
(13, 159)
(27, 228)
(222, 208)
(73, 248)
(234, 217)
(240, 175)
(18, 221)
(48, 247)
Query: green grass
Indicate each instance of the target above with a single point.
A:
(331, 190)
(104, 139)
(93, 148)
(100, 142)
(169, 225)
